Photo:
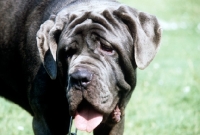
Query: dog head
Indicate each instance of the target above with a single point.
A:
(94, 50)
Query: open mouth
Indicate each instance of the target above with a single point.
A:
(86, 117)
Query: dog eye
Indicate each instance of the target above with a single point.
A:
(69, 52)
(106, 48)
(103, 45)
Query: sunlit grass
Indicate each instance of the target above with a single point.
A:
(166, 100)
(14, 120)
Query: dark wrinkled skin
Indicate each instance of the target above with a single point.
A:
(96, 38)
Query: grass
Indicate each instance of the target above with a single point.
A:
(166, 100)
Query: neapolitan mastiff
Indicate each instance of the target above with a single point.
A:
(86, 64)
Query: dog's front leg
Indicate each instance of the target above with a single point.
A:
(50, 107)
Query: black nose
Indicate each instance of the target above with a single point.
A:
(80, 78)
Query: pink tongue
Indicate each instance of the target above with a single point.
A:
(87, 119)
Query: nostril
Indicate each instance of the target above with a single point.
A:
(84, 81)
(80, 78)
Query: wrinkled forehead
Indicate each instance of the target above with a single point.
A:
(96, 17)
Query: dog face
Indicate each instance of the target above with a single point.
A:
(94, 50)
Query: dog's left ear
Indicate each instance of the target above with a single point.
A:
(47, 38)
(146, 33)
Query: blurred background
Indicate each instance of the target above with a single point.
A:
(166, 100)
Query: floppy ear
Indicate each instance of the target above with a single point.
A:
(47, 37)
(146, 33)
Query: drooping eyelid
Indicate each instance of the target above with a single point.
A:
(102, 40)
(65, 43)
(106, 43)
(71, 44)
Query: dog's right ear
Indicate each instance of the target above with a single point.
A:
(47, 38)
(145, 31)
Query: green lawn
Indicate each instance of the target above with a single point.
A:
(166, 100)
